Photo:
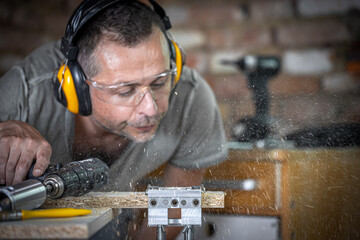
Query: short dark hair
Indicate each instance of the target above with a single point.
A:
(127, 22)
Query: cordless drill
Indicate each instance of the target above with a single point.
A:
(258, 70)
(74, 179)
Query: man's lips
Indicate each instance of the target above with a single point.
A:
(145, 128)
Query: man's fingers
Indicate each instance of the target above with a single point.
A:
(4, 155)
(42, 160)
(14, 156)
(20, 143)
(23, 166)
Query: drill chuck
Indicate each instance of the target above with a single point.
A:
(54, 186)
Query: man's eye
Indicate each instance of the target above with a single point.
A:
(159, 83)
(126, 92)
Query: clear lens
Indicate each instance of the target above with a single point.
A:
(130, 94)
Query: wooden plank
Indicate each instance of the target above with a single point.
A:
(54, 228)
(209, 199)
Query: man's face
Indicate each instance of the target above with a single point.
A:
(119, 64)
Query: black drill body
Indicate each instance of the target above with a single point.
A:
(77, 178)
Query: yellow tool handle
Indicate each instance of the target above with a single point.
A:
(54, 213)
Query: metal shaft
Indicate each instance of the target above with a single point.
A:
(160, 233)
(10, 216)
(188, 232)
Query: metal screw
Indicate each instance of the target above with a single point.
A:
(174, 202)
(195, 202)
(153, 202)
(183, 202)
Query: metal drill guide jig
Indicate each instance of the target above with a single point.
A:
(161, 199)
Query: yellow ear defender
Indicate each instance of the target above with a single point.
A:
(180, 60)
(67, 84)
(71, 89)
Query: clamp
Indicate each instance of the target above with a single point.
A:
(161, 199)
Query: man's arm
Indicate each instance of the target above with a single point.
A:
(20, 143)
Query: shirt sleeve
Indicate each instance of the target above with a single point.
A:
(203, 137)
(13, 95)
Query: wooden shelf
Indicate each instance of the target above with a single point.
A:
(314, 192)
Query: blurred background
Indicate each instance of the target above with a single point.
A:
(318, 43)
(315, 193)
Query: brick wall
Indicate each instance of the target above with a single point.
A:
(318, 42)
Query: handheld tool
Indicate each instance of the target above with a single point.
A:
(258, 70)
(74, 179)
(43, 213)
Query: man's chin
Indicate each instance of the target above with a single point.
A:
(140, 138)
(139, 135)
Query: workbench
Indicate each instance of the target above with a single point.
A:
(102, 223)
(315, 194)
(58, 228)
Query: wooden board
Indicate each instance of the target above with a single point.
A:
(209, 199)
(65, 228)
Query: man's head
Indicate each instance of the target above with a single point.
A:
(120, 51)
(127, 23)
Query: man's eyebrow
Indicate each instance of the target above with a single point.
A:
(131, 83)
(139, 81)
(156, 79)
(126, 83)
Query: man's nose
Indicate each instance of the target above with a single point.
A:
(147, 104)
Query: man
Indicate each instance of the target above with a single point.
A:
(140, 119)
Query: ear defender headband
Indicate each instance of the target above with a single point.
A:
(70, 87)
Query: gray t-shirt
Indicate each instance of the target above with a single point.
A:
(190, 136)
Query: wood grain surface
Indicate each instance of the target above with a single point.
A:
(209, 199)
(57, 228)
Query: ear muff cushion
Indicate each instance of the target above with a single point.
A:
(81, 87)
(179, 61)
(74, 88)
(68, 88)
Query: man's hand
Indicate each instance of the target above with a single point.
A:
(20, 144)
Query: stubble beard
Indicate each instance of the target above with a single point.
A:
(120, 128)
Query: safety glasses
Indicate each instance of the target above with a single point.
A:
(131, 93)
